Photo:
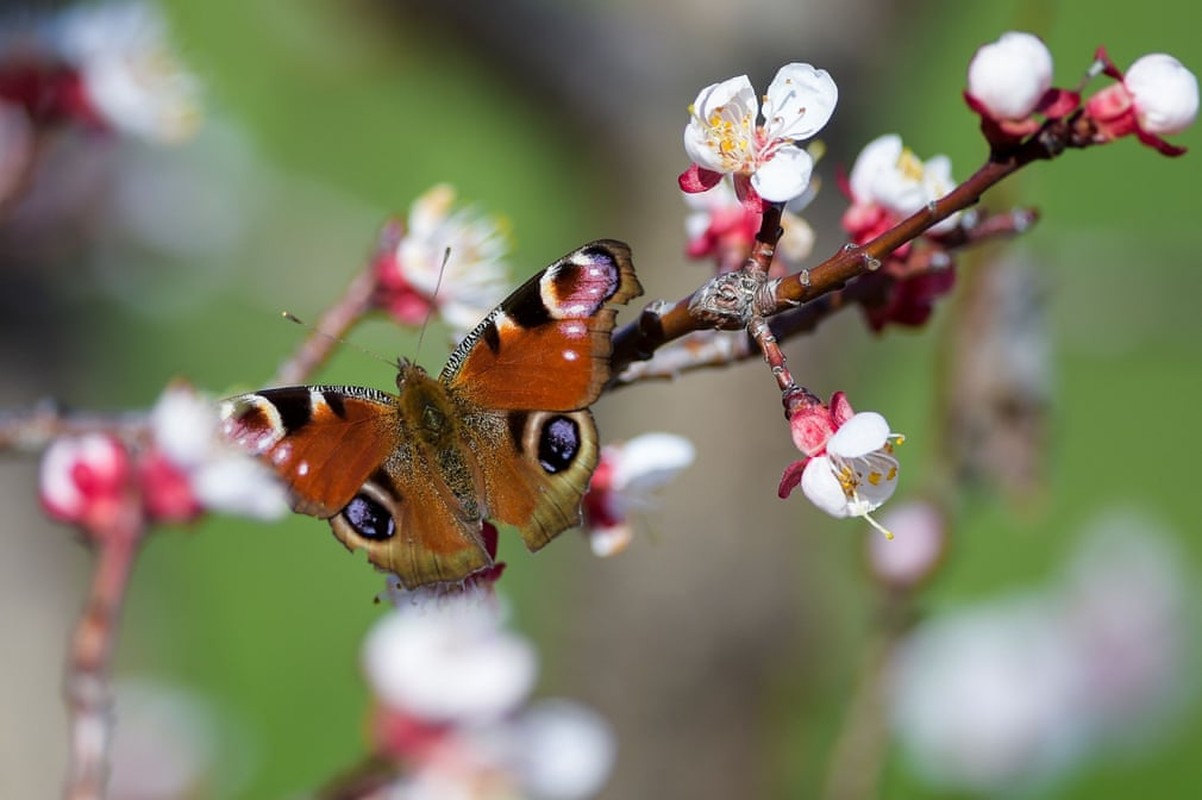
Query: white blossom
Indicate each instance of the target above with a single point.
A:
(858, 471)
(130, 74)
(890, 175)
(186, 429)
(449, 661)
(450, 260)
(624, 483)
(723, 134)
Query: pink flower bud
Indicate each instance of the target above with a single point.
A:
(1009, 77)
(920, 540)
(85, 479)
(1164, 93)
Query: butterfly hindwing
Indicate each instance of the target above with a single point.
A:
(539, 468)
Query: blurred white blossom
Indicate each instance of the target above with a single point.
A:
(452, 688)
(129, 72)
(1013, 693)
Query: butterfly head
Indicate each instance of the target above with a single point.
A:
(406, 369)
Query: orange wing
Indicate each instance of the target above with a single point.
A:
(346, 457)
(324, 441)
(547, 346)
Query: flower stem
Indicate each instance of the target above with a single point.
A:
(88, 685)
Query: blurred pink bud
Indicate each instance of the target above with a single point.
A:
(85, 480)
(167, 492)
(920, 541)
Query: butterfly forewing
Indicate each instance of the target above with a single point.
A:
(324, 441)
(547, 346)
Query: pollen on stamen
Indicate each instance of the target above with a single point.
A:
(909, 165)
(875, 478)
(888, 533)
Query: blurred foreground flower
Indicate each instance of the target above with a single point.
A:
(623, 483)
(86, 480)
(191, 454)
(444, 260)
(451, 687)
(130, 76)
(183, 468)
(1012, 693)
(171, 743)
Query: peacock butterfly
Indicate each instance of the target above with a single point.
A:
(503, 434)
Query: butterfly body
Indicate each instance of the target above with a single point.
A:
(503, 433)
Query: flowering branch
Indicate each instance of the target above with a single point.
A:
(658, 326)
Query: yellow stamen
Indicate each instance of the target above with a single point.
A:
(888, 533)
(909, 165)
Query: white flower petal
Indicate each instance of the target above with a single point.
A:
(610, 540)
(649, 461)
(733, 98)
(879, 157)
(784, 176)
(234, 483)
(185, 426)
(875, 481)
(722, 124)
(822, 488)
(1165, 92)
(864, 433)
(799, 103)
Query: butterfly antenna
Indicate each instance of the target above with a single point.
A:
(288, 315)
(442, 270)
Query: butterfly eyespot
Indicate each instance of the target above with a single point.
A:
(558, 444)
(369, 519)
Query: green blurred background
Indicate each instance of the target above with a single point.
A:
(725, 643)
